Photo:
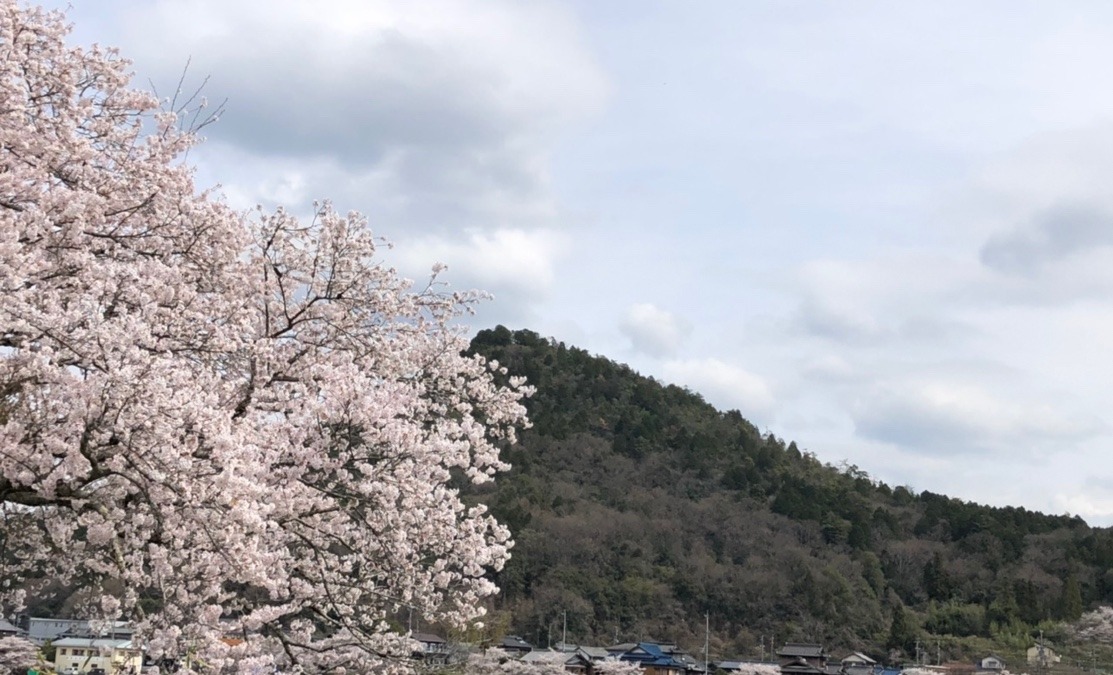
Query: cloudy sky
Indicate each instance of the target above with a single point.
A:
(882, 230)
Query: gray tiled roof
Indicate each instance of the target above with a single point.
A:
(514, 642)
(595, 653)
(427, 638)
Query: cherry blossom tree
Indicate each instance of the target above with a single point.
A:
(499, 662)
(616, 667)
(1095, 626)
(17, 655)
(221, 425)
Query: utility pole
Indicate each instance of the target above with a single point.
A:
(706, 639)
(564, 635)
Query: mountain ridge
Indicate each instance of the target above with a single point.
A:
(638, 508)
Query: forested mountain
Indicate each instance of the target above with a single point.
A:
(638, 508)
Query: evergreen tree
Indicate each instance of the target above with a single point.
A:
(937, 585)
(902, 634)
(1070, 605)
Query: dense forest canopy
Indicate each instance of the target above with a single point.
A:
(637, 508)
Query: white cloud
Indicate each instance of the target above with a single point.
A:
(828, 367)
(437, 121)
(519, 261)
(952, 417)
(725, 385)
(654, 331)
(1053, 235)
(895, 296)
(445, 112)
(354, 78)
(1094, 508)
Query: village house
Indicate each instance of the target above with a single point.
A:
(40, 630)
(433, 650)
(585, 659)
(1042, 655)
(654, 659)
(577, 662)
(8, 629)
(802, 658)
(858, 663)
(113, 656)
(514, 645)
(574, 658)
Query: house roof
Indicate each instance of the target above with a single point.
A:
(578, 658)
(666, 647)
(8, 627)
(118, 630)
(594, 653)
(514, 642)
(651, 654)
(428, 638)
(650, 648)
(858, 657)
(99, 643)
(805, 649)
(544, 656)
(800, 666)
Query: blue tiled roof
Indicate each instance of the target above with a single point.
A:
(653, 656)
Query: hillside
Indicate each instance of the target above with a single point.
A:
(638, 508)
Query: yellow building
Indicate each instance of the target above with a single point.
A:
(107, 655)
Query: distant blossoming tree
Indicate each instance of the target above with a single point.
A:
(1095, 626)
(499, 662)
(616, 667)
(17, 655)
(222, 425)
